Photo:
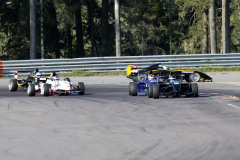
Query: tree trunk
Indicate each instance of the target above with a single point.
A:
(105, 29)
(117, 28)
(91, 26)
(170, 26)
(205, 34)
(32, 29)
(212, 25)
(56, 35)
(69, 41)
(225, 27)
(42, 30)
(79, 33)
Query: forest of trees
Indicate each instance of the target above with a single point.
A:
(86, 28)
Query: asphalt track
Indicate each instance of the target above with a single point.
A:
(108, 124)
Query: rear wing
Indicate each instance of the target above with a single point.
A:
(29, 73)
(129, 69)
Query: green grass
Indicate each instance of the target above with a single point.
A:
(211, 69)
(89, 74)
(219, 69)
(123, 73)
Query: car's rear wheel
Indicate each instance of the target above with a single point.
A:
(156, 91)
(150, 91)
(134, 89)
(31, 90)
(46, 89)
(195, 89)
(81, 87)
(13, 86)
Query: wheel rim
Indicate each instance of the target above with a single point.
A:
(10, 86)
(28, 90)
(44, 92)
(195, 77)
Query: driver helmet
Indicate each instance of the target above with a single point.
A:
(165, 67)
(160, 66)
(38, 74)
(150, 76)
(172, 77)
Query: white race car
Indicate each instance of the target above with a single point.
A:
(55, 85)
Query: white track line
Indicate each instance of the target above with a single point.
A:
(231, 105)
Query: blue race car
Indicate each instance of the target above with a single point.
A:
(141, 88)
(174, 86)
(145, 83)
(163, 83)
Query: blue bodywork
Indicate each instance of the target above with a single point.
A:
(175, 87)
(143, 85)
(170, 83)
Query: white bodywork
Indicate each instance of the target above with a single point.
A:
(59, 85)
(39, 85)
(134, 71)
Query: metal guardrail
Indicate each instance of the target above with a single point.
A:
(100, 64)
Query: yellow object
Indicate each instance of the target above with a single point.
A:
(129, 69)
(21, 84)
(165, 68)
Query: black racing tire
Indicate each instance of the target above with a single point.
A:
(194, 77)
(46, 89)
(81, 87)
(150, 91)
(195, 90)
(156, 91)
(134, 89)
(130, 88)
(13, 86)
(187, 77)
(31, 90)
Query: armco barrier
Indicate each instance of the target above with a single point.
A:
(1, 70)
(105, 64)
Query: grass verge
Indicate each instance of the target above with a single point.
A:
(219, 69)
(123, 73)
(89, 74)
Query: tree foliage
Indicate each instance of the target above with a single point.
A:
(85, 28)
